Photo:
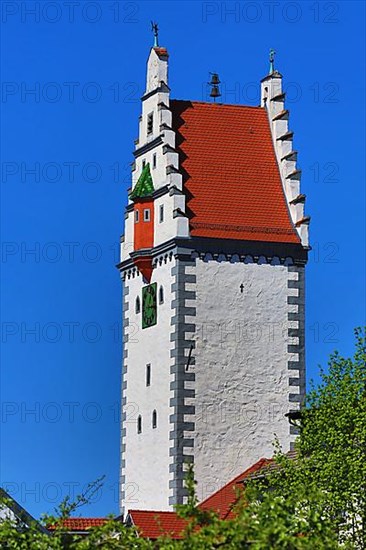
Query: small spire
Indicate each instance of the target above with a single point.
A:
(144, 186)
(272, 54)
(155, 30)
(215, 90)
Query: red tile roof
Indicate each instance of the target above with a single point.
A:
(80, 524)
(230, 173)
(153, 524)
(224, 500)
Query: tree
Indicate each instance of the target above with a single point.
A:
(331, 449)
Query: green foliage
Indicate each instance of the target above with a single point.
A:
(316, 500)
(328, 475)
(262, 520)
(331, 460)
(114, 535)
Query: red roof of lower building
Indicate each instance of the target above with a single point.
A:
(80, 524)
(230, 173)
(224, 500)
(153, 524)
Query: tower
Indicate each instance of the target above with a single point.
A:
(212, 264)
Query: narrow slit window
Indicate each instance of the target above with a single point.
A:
(146, 214)
(148, 375)
(150, 123)
(136, 216)
(154, 160)
(161, 295)
(143, 164)
(154, 419)
(139, 424)
(161, 213)
(137, 305)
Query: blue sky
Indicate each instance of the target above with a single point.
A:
(60, 384)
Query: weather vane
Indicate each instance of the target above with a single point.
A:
(272, 54)
(155, 30)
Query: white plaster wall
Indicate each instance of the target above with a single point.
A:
(172, 226)
(147, 454)
(163, 231)
(242, 379)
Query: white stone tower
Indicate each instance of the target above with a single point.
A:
(212, 263)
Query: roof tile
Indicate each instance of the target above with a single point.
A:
(224, 500)
(153, 524)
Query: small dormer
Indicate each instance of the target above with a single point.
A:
(143, 222)
(143, 210)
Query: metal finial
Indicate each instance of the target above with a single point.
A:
(215, 90)
(155, 30)
(272, 54)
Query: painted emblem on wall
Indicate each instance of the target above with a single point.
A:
(149, 305)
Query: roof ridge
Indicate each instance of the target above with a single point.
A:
(152, 511)
(84, 517)
(239, 105)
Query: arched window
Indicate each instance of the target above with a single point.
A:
(154, 419)
(139, 424)
(161, 295)
(137, 305)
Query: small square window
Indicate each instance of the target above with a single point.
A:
(150, 123)
(161, 213)
(154, 160)
(146, 214)
(136, 216)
